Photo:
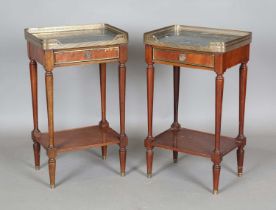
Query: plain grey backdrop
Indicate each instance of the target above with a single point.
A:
(84, 181)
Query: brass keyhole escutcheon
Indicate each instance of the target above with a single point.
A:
(87, 54)
(182, 57)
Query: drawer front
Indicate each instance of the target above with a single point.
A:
(188, 58)
(98, 54)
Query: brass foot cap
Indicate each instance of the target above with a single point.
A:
(149, 175)
(123, 173)
(104, 157)
(52, 186)
(240, 174)
(37, 168)
(174, 160)
(215, 192)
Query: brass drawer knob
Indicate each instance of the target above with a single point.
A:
(182, 57)
(88, 54)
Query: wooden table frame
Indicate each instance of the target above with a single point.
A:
(202, 144)
(54, 142)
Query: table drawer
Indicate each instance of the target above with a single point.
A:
(188, 58)
(97, 54)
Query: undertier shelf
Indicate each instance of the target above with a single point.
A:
(81, 138)
(193, 142)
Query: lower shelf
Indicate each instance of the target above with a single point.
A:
(81, 138)
(193, 142)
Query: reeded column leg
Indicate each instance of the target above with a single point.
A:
(123, 137)
(241, 139)
(150, 91)
(217, 157)
(176, 125)
(103, 123)
(35, 132)
(50, 105)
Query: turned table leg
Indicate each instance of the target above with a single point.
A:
(122, 96)
(217, 157)
(103, 123)
(176, 125)
(123, 137)
(35, 132)
(150, 91)
(51, 149)
(241, 139)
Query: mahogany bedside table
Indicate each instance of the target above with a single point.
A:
(77, 45)
(205, 49)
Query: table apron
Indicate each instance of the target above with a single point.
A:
(204, 60)
(85, 55)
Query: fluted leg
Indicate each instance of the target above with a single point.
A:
(103, 123)
(35, 132)
(123, 137)
(241, 139)
(50, 105)
(176, 125)
(217, 157)
(150, 89)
